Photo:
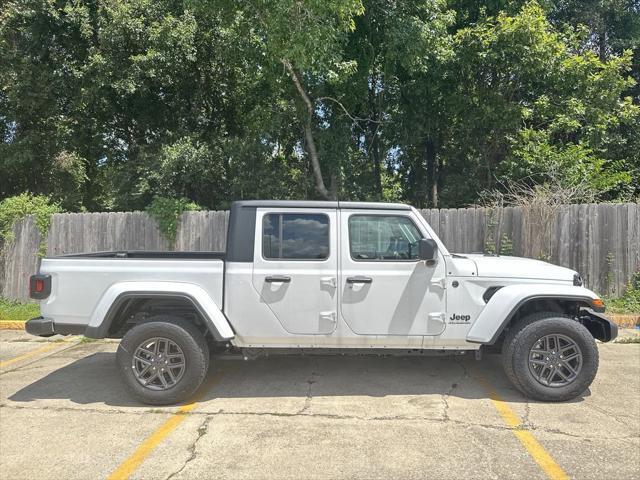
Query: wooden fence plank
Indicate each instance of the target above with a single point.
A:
(602, 242)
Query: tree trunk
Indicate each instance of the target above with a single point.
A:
(602, 45)
(308, 134)
(495, 154)
(432, 171)
(375, 156)
(419, 177)
(374, 144)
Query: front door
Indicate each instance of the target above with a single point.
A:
(296, 266)
(386, 289)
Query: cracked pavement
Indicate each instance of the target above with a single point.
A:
(64, 414)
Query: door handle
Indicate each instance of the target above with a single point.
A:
(437, 317)
(277, 279)
(328, 281)
(331, 316)
(359, 279)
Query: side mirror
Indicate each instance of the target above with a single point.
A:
(427, 249)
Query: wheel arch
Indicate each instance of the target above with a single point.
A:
(121, 302)
(512, 303)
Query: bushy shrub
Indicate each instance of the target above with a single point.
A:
(16, 208)
(630, 301)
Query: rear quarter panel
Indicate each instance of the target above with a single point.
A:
(78, 284)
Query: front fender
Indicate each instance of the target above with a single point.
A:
(102, 315)
(504, 304)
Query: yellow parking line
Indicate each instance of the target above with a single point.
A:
(130, 465)
(526, 438)
(24, 356)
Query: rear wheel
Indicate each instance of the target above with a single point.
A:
(550, 357)
(163, 360)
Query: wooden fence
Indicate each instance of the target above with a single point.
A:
(601, 241)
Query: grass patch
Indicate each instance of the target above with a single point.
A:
(88, 340)
(17, 311)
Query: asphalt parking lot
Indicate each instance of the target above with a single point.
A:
(64, 414)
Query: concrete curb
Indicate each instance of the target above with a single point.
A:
(10, 325)
(625, 321)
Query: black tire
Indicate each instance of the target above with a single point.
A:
(193, 347)
(522, 337)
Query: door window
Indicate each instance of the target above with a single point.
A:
(383, 238)
(294, 236)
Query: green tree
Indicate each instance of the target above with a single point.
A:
(307, 40)
(529, 97)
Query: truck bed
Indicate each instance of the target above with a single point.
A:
(80, 281)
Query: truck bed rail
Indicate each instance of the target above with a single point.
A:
(142, 254)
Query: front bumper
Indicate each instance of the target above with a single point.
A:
(600, 326)
(46, 327)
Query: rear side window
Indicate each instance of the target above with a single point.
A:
(295, 236)
(383, 238)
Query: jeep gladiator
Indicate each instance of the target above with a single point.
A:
(323, 277)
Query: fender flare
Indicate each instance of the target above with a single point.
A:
(504, 304)
(103, 315)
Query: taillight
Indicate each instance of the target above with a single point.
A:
(39, 286)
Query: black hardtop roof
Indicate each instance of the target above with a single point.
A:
(319, 204)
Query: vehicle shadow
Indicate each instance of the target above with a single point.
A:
(95, 379)
(90, 379)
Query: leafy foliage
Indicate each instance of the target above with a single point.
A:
(106, 105)
(559, 106)
(167, 212)
(630, 301)
(15, 208)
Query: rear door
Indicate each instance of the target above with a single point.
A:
(295, 267)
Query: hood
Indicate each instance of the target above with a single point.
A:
(516, 267)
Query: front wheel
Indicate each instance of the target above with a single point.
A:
(163, 360)
(550, 357)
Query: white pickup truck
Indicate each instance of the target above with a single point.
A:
(323, 277)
